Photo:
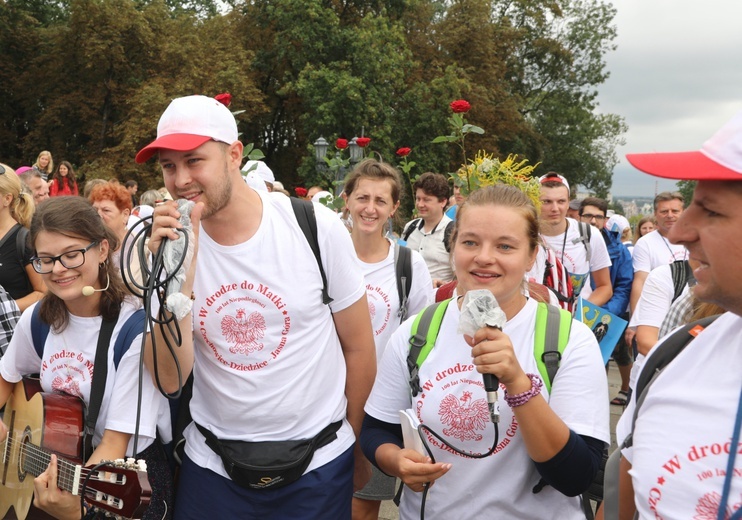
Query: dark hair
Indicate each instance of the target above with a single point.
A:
(130, 184)
(74, 217)
(601, 204)
(502, 195)
(668, 195)
(70, 180)
(434, 184)
(376, 170)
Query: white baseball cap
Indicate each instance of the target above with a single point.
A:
(617, 223)
(188, 122)
(261, 169)
(719, 159)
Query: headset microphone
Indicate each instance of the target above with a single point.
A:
(89, 290)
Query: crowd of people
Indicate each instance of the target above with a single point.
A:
(322, 372)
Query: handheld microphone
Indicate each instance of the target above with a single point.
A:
(480, 307)
(89, 290)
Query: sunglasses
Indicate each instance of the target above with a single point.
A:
(2, 169)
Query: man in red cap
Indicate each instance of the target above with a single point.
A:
(685, 459)
(273, 365)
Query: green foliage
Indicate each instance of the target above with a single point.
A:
(89, 79)
(687, 188)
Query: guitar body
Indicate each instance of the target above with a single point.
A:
(52, 421)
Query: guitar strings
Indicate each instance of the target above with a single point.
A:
(37, 460)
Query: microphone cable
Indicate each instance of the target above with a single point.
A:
(421, 428)
(155, 281)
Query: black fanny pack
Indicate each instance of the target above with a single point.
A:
(271, 464)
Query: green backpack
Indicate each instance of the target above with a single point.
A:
(553, 326)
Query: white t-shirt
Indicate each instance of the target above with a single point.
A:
(433, 250)
(453, 403)
(653, 250)
(268, 361)
(656, 298)
(571, 251)
(682, 434)
(383, 297)
(67, 366)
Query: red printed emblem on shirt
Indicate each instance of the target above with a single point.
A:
(66, 385)
(465, 417)
(244, 331)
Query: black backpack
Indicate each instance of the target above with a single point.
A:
(417, 223)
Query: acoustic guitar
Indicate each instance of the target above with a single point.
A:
(40, 424)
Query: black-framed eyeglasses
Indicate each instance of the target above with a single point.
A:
(589, 216)
(70, 260)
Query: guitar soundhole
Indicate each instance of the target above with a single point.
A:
(22, 452)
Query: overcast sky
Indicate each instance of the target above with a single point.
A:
(676, 78)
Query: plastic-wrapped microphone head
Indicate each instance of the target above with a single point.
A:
(480, 309)
(88, 290)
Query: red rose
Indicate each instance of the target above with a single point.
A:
(225, 99)
(404, 152)
(341, 144)
(460, 106)
(363, 141)
(301, 192)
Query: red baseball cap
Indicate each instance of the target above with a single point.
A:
(719, 159)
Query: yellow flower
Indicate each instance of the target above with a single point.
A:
(488, 170)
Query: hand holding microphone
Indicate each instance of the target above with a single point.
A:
(480, 309)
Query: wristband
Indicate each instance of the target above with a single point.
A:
(522, 398)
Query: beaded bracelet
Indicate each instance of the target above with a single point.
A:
(523, 397)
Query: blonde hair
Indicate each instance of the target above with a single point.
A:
(509, 197)
(49, 167)
(21, 204)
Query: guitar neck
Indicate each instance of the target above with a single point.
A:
(37, 460)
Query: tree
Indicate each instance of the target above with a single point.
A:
(686, 188)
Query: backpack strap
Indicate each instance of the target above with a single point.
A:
(410, 227)
(553, 326)
(403, 271)
(39, 330)
(681, 274)
(585, 234)
(662, 356)
(423, 334)
(132, 327)
(20, 245)
(447, 236)
(304, 212)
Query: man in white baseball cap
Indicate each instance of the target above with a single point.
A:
(262, 171)
(685, 461)
(274, 364)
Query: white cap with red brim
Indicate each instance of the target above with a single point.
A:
(719, 159)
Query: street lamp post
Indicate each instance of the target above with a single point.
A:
(340, 170)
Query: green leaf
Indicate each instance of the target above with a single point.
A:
(467, 128)
(445, 139)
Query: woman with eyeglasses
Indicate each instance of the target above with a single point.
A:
(17, 276)
(85, 294)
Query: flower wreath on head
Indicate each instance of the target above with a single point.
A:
(488, 170)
